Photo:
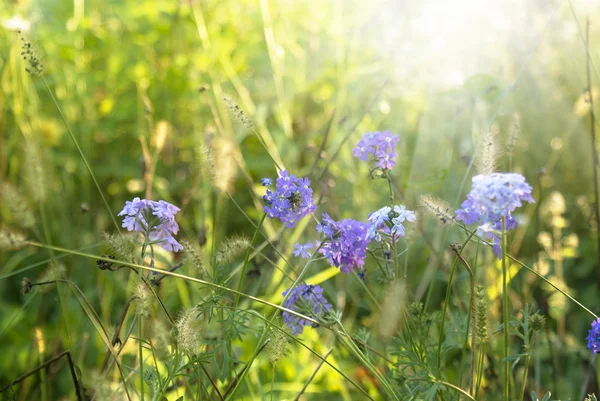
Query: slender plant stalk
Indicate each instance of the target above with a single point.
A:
(455, 248)
(87, 165)
(310, 379)
(525, 373)
(506, 314)
(595, 161)
(45, 365)
(446, 302)
(247, 259)
(517, 261)
(174, 274)
(140, 350)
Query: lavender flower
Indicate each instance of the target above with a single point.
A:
(301, 250)
(382, 145)
(593, 337)
(154, 219)
(493, 197)
(345, 243)
(389, 221)
(300, 297)
(290, 201)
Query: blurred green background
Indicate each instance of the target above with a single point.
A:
(141, 85)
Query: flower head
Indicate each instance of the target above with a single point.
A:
(301, 250)
(382, 145)
(301, 298)
(345, 243)
(154, 219)
(593, 337)
(493, 197)
(389, 221)
(290, 200)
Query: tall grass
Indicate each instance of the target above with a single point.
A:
(193, 103)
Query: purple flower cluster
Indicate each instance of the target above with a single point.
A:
(154, 219)
(290, 200)
(344, 243)
(389, 221)
(311, 295)
(493, 197)
(382, 145)
(593, 337)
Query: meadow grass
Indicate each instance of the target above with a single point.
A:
(311, 225)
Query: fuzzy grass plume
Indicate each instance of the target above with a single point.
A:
(36, 177)
(11, 240)
(514, 134)
(231, 248)
(392, 310)
(278, 346)
(238, 113)
(194, 256)
(488, 153)
(225, 164)
(437, 208)
(122, 246)
(188, 327)
(20, 214)
(480, 328)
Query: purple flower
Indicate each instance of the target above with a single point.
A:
(301, 250)
(389, 221)
(344, 243)
(266, 182)
(493, 197)
(154, 219)
(309, 295)
(382, 145)
(593, 337)
(290, 201)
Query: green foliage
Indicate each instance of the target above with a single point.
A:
(194, 101)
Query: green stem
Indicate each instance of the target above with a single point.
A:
(247, 258)
(141, 355)
(505, 312)
(527, 360)
(480, 369)
(517, 261)
(174, 274)
(446, 302)
(346, 339)
(471, 313)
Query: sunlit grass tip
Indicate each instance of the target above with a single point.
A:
(143, 299)
(514, 133)
(11, 240)
(436, 208)
(206, 160)
(231, 248)
(238, 113)
(489, 152)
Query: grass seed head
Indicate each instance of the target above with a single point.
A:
(489, 152)
(231, 248)
(188, 327)
(11, 240)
